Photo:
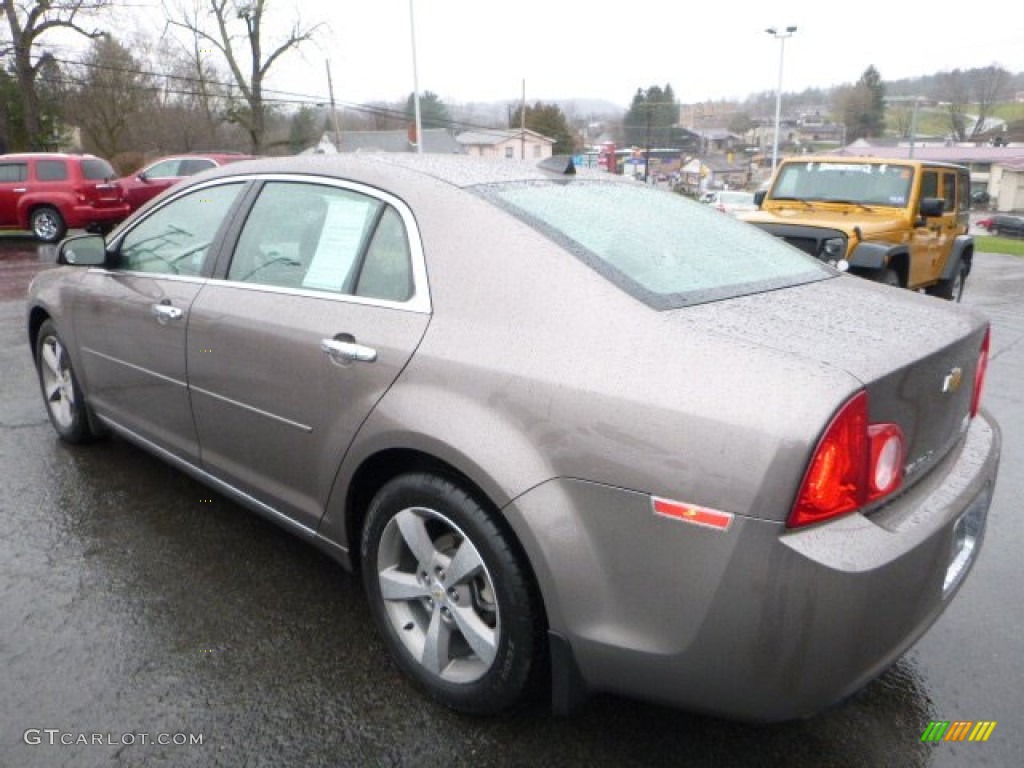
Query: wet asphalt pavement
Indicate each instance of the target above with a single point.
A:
(136, 606)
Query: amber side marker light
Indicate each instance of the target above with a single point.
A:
(691, 513)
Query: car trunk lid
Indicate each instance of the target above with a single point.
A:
(918, 373)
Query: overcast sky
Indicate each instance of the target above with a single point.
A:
(481, 50)
(468, 50)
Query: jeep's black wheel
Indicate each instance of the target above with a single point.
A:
(450, 595)
(47, 224)
(952, 289)
(886, 277)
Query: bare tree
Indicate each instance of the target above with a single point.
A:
(989, 85)
(28, 22)
(114, 99)
(238, 37)
(953, 90)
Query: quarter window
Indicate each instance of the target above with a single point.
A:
(175, 238)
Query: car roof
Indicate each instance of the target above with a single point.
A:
(864, 160)
(380, 168)
(47, 156)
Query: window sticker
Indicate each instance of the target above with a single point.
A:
(339, 243)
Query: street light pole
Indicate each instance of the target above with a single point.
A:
(781, 37)
(415, 83)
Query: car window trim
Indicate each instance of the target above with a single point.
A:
(419, 302)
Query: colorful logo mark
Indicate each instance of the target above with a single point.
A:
(958, 730)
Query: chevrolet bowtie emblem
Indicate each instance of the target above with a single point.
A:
(953, 380)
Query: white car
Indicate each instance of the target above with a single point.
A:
(731, 201)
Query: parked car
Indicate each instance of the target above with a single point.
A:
(145, 184)
(1005, 225)
(869, 214)
(48, 192)
(577, 434)
(731, 201)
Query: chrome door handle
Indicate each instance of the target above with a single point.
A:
(348, 351)
(165, 313)
(20, 189)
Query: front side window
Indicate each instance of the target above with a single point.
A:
(324, 238)
(666, 251)
(51, 170)
(949, 191)
(194, 165)
(929, 184)
(175, 238)
(165, 169)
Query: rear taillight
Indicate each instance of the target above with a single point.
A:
(979, 374)
(854, 463)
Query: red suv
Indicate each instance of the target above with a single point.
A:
(146, 184)
(49, 192)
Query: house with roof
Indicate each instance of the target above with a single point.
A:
(435, 140)
(511, 143)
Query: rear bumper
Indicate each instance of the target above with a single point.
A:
(81, 216)
(756, 622)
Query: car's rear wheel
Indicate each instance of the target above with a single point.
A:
(47, 224)
(450, 595)
(953, 288)
(65, 404)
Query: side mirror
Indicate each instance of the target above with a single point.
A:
(759, 197)
(142, 176)
(932, 206)
(83, 251)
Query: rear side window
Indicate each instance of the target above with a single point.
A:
(51, 170)
(665, 250)
(323, 238)
(13, 172)
(95, 169)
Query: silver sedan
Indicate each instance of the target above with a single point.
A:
(576, 433)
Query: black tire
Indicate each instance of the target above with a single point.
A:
(47, 224)
(886, 277)
(472, 639)
(952, 289)
(65, 404)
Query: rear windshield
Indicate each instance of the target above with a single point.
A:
(95, 169)
(664, 249)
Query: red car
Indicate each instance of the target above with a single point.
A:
(149, 182)
(50, 192)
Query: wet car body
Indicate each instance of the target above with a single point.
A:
(637, 456)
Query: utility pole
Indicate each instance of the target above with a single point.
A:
(334, 112)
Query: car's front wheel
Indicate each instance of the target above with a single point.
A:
(65, 404)
(450, 595)
(47, 224)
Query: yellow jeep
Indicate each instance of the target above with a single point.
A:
(900, 222)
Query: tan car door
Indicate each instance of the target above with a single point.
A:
(132, 320)
(321, 307)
